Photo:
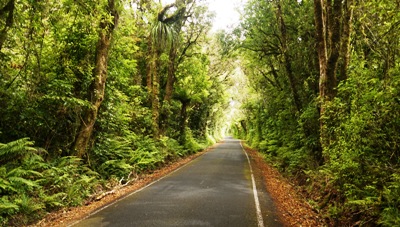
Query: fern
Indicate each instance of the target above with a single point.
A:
(54, 200)
(148, 160)
(4, 184)
(20, 172)
(69, 161)
(6, 207)
(35, 161)
(15, 148)
(28, 205)
(19, 181)
(118, 168)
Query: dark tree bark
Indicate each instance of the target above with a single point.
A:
(332, 23)
(169, 88)
(99, 81)
(287, 57)
(8, 10)
(345, 45)
(153, 79)
(178, 19)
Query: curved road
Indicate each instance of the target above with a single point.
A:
(216, 189)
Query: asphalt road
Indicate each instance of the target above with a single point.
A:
(216, 189)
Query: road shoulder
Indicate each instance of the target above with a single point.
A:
(292, 208)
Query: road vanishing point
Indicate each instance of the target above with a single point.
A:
(216, 189)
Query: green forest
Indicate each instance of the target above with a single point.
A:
(95, 92)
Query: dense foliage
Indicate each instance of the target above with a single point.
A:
(323, 78)
(95, 92)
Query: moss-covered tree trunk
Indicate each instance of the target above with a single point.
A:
(150, 65)
(164, 38)
(169, 88)
(99, 81)
(332, 25)
(155, 96)
(183, 121)
(345, 45)
(287, 57)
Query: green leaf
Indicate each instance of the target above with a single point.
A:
(15, 148)
(22, 181)
(6, 207)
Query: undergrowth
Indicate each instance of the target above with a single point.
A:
(33, 184)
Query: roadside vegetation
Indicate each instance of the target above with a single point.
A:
(93, 93)
(323, 104)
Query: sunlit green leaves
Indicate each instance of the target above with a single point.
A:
(193, 81)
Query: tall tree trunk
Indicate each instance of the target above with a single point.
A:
(320, 27)
(153, 86)
(150, 66)
(324, 85)
(169, 88)
(8, 8)
(183, 122)
(345, 51)
(99, 81)
(287, 57)
(334, 38)
(175, 21)
(172, 65)
(330, 38)
(155, 97)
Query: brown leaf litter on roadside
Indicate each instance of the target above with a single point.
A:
(293, 209)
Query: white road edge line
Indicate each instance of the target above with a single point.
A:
(260, 219)
(134, 192)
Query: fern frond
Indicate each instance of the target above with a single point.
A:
(115, 167)
(68, 161)
(24, 182)
(15, 148)
(6, 207)
(35, 161)
(85, 180)
(54, 200)
(5, 185)
(117, 164)
(28, 205)
(20, 172)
